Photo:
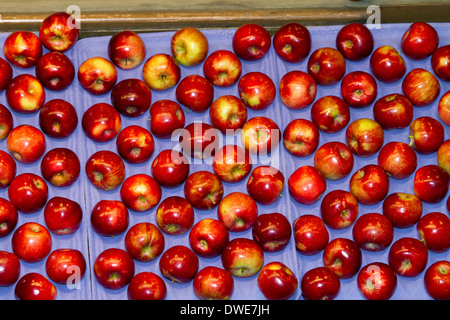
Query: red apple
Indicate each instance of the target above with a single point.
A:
(228, 114)
(199, 140)
(25, 94)
(62, 216)
(265, 184)
(272, 231)
(431, 183)
(398, 159)
(330, 114)
(203, 190)
(179, 264)
(402, 209)
(370, 184)
(237, 211)
(175, 215)
(419, 41)
(426, 134)
(97, 75)
(55, 71)
(260, 135)
(377, 281)
(364, 137)
(242, 257)
(131, 97)
(387, 65)
(22, 49)
(276, 281)
(114, 268)
(251, 42)
(292, 42)
(59, 32)
(166, 117)
(408, 257)
(140, 192)
(26, 143)
(213, 283)
(144, 242)
(208, 237)
(373, 232)
(437, 280)
(6, 122)
(9, 268)
(105, 170)
(355, 41)
(232, 163)
(8, 169)
(339, 209)
(101, 122)
(58, 118)
(421, 87)
(109, 218)
(433, 229)
(170, 168)
(443, 156)
(320, 283)
(393, 111)
(310, 234)
(334, 160)
(440, 62)
(306, 185)
(298, 89)
(31, 242)
(359, 89)
(126, 49)
(28, 192)
(256, 90)
(301, 137)
(189, 46)
(222, 68)
(195, 92)
(161, 72)
(60, 167)
(65, 266)
(8, 217)
(146, 285)
(342, 256)
(34, 286)
(327, 66)
(135, 144)
(6, 74)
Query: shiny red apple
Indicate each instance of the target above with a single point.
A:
(179, 264)
(199, 140)
(175, 215)
(272, 231)
(320, 283)
(59, 32)
(8, 169)
(113, 268)
(398, 159)
(359, 89)
(131, 97)
(126, 49)
(292, 42)
(31, 242)
(222, 68)
(364, 137)
(58, 118)
(62, 215)
(306, 185)
(301, 137)
(377, 281)
(408, 257)
(195, 92)
(105, 170)
(140, 192)
(203, 189)
(402, 209)
(25, 94)
(237, 211)
(327, 66)
(260, 135)
(265, 184)
(387, 65)
(339, 209)
(66, 266)
(433, 229)
(232, 163)
(22, 49)
(26, 143)
(276, 281)
(34, 286)
(97, 75)
(251, 42)
(9, 268)
(60, 167)
(55, 71)
(166, 118)
(310, 234)
(355, 41)
(256, 90)
(144, 242)
(342, 256)
(208, 237)
(426, 134)
(101, 122)
(146, 285)
(135, 144)
(437, 280)
(213, 283)
(393, 111)
(189, 46)
(109, 218)
(440, 62)
(228, 114)
(161, 72)
(420, 40)
(370, 184)
(298, 89)
(8, 217)
(28, 192)
(170, 168)
(431, 183)
(421, 87)
(334, 160)
(373, 232)
(330, 114)
(242, 257)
